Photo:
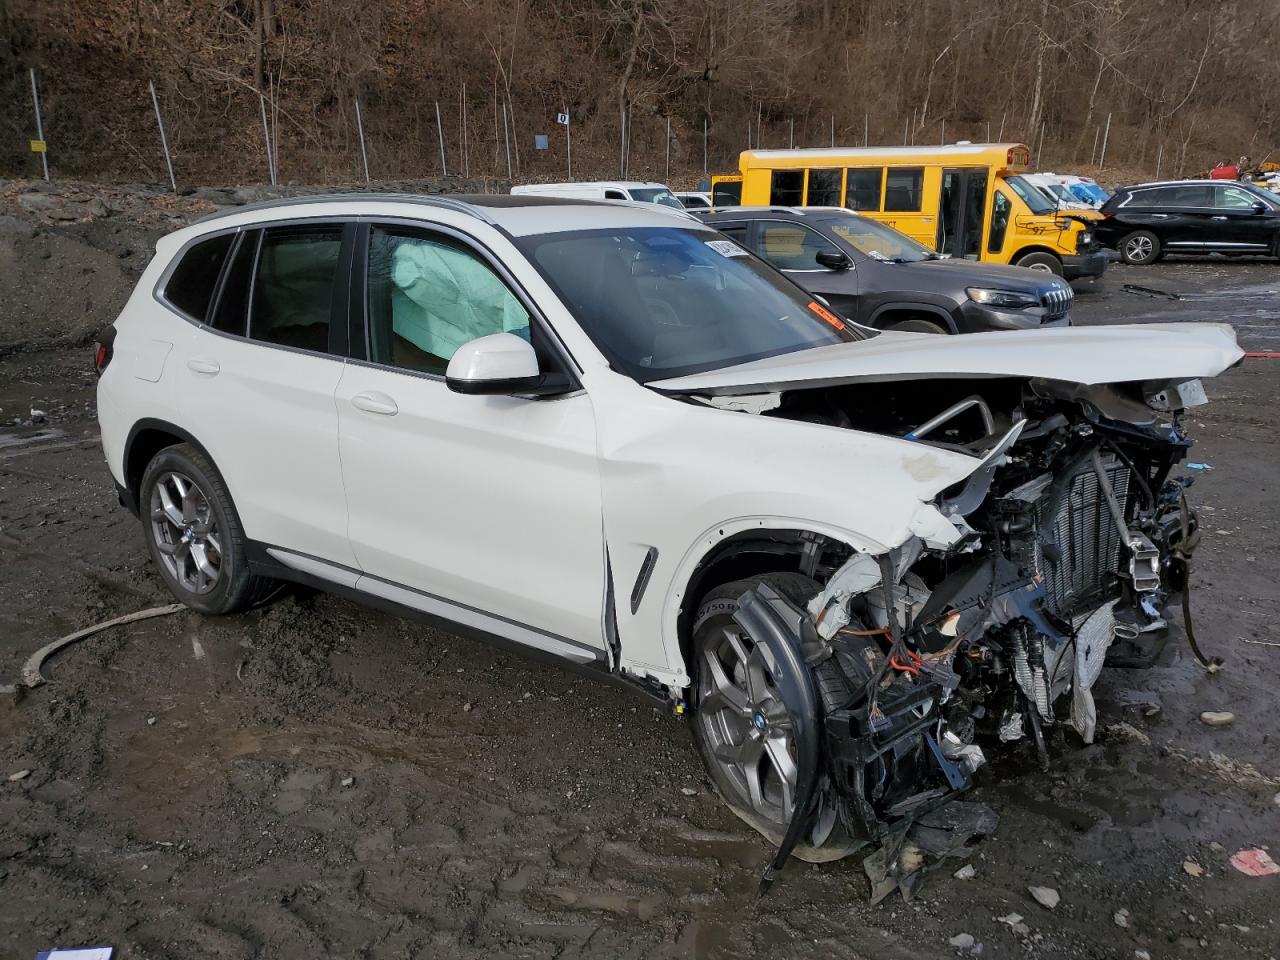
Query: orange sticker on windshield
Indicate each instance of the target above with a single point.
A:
(826, 314)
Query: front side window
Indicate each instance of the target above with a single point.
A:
(695, 203)
(1033, 198)
(668, 301)
(790, 246)
(863, 191)
(190, 286)
(880, 242)
(1001, 210)
(903, 188)
(293, 288)
(824, 188)
(428, 295)
(1233, 198)
(786, 189)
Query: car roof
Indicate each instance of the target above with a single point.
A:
(1202, 181)
(517, 214)
(776, 212)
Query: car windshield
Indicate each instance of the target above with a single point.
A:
(667, 301)
(879, 242)
(656, 195)
(1033, 198)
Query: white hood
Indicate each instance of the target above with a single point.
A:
(1087, 355)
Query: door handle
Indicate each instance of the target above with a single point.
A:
(374, 401)
(1219, 217)
(1160, 216)
(205, 365)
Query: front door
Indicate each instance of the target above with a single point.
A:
(482, 509)
(793, 248)
(1240, 226)
(960, 212)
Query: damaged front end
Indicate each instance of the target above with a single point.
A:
(1071, 537)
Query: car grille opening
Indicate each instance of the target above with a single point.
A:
(1056, 303)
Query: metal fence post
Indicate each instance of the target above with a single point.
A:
(44, 153)
(943, 141)
(1102, 157)
(1000, 135)
(506, 136)
(444, 170)
(667, 175)
(866, 130)
(364, 154)
(164, 141)
(704, 145)
(266, 139)
(1040, 146)
(791, 135)
(462, 108)
(1159, 157)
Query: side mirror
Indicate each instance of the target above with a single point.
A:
(833, 260)
(500, 364)
(1259, 208)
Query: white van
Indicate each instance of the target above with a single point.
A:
(1061, 189)
(631, 190)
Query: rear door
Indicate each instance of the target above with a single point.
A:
(260, 377)
(1184, 216)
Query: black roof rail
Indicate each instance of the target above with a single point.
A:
(443, 202)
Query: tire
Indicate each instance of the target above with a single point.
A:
(1139, 248)
(917, 325)
(1038, 260)
(194, 534)
(711, 730)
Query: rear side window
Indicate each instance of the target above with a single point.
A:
(231, 307)
(787, 188)
(191, 285)
(824, 188)
(293, 289)
(863, 190)
(902, 190)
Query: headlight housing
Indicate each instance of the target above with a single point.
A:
(1085, 239)
(1005, 299)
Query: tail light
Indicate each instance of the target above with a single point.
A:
(103, 349)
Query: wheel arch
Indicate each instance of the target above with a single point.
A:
(929, 311)
(745, 549)
(1034, 248)
(146, 438)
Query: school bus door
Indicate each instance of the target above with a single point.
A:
(962, 208)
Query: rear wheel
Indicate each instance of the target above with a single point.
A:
(741, 723)
(194, 534)
(1140, 248)
(1039, 260)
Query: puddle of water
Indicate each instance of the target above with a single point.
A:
(24, 438)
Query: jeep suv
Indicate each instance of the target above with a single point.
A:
(871, 273)
(611, 436)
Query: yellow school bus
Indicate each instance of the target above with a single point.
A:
(965, 199)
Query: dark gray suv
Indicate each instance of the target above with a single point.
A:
(879, 277)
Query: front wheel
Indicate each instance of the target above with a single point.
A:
(741, 724)
(916, 325)
(1140, 248)
(194, 534)
(1044, 262)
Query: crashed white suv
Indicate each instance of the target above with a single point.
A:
(610, 435)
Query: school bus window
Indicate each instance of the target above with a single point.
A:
(787, 188)
(728, 194)
(1000, 207)
(824, 188)
(863, 192)
(902, 190)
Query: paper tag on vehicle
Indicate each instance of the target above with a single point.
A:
(1191, 393)
(726, 248)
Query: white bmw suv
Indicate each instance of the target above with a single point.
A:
(612, 436)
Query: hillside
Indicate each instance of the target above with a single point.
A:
(1182, 82)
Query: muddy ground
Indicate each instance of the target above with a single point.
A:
(314, 779)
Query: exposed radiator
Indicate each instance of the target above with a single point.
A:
(1088, 542)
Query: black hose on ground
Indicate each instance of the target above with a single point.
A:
(1182, 551)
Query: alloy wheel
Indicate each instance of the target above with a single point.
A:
(1137, 248)
(746, 725)
(185, 530)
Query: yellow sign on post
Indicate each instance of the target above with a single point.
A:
(39, 146)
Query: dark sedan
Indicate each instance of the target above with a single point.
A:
(879, 277)
(1146, 222)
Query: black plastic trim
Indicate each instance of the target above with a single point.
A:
(642, 578)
